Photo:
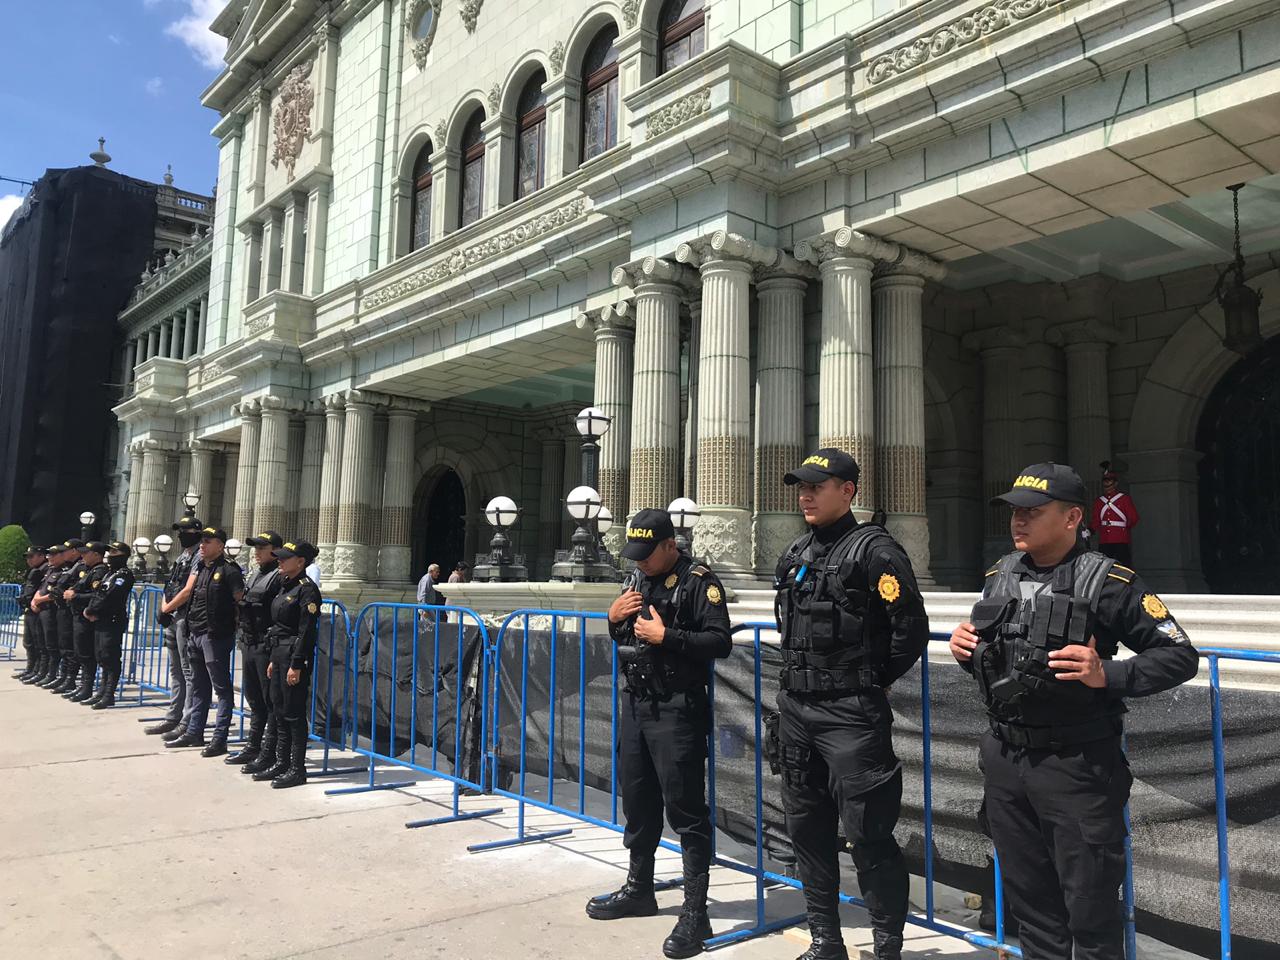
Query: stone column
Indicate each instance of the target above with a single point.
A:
(356, 534)
(308, 523)
(615, 359)
(293, 474)
(397, 492)
(151, 517)
(201, 481)
(189, 344)
(899, 405)
(551, 500)
(655, 399)
(846, 407)
(293, 258)
(317, 229)
(690, 463)
(331, 473)
(174, 506)
(204, 313)
(135, 492)
(723, 535)
(166, 336)
(1086, 343)
(230, 474)
(1002, 451)
(176, 335)
(247, 471)
(272, 251)
(129, 359)
(153, 342)
(251, 269)
(779, 445)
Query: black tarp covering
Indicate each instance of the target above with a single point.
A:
(1169, 745)
(68, 262)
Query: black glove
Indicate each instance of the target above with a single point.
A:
(164, 619)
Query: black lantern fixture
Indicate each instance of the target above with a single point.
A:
(499, 566)
(1239, 303)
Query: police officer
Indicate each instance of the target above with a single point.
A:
(671, 623)
(108, 612)
(213, 590)
(255, 616)
(178, 717)
(1041, 644)
(37, 567)
(77, 597)
(61, 556)
(852, 622)
(292, 635)
(73, 570)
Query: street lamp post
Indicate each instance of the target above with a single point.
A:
(232, 549)
(501, 567)
(684, 517)
(583, 564)
(87, 520)
(163, 544)
(140, 547)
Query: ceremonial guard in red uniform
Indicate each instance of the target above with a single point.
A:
(1114, 517)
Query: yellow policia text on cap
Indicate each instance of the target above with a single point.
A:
(290, 546)
(816, 462)
(639, 533)
(1035, 483)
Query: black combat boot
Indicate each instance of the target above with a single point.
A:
(633, 899)
(179, 730)
(36, 672)
(56, 673)
(693, 927)
(284, 737)
(888, 945)
(101, 692)
(71, 671)
(296, 775)
(164, 726)
(107, 695)
(828, 942)
(188, 739)
(251, 749)
(266, 752)
(85, 690)
(217, 746)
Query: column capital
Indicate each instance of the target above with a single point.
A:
(280, 404)
(406, 406)
(246, 409)
(611, 319)
(152, 445)
(333, 403)
(993, 339)
(844, 242)
(1077, 334)
(364, 398)
(651, 270)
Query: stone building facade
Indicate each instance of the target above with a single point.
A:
(951, 238)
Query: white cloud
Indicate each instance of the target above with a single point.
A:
(193, 30)
(114, 38)
(9, 205)
(154, 86)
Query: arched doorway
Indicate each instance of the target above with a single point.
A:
(1239, 436)
(439, 524)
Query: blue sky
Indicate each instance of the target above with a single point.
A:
(128, 70)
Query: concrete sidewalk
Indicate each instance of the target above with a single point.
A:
(113, 847)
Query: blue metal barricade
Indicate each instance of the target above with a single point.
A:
(10, 620)
(334, 649)
(399, 632)
(145, 659)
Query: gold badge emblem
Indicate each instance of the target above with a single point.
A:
(713, 594)
(217, 576)
(889, 588)
(82, 574)
(95, 584)
(671, 581)
(312, 608)
(1155, 607)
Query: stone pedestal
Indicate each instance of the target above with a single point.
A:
(779, 417)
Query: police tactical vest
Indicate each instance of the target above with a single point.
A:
(256, 616)
(652, 672)
(1020, 621)
(835, 636)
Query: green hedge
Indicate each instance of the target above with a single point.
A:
(13, 547)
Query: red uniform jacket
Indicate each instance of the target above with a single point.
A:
(1114, 518)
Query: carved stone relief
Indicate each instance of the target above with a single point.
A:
(292, 122)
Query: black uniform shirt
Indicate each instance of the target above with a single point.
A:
(212, 608)
(704, 636)
(1129, 613)
(295, 619)
(259, 590)
(71, 577)
(110, 599)
(31, 585)
(84, 586)
(885, 573)
(178, 574)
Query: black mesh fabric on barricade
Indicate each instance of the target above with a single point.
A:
(330, 684)
(1169, 746)
(399, 720)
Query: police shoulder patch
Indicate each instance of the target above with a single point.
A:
(889, 588)
(95, 584)
(312, 608)
(1154, 607)
(83, 573)
(714, 595)
(671, 581)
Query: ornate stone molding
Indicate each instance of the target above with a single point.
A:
(557, 59)
(674, 114)
(845, 243)
(292, 121)
(959, 33)
(210, 372)
(422, 45)
(469, 10)
(257, 325)
(334, 401)
(613, 317)
(653, 270)
(495, 99)
(461, 260)
(630, 13)
(442, 134)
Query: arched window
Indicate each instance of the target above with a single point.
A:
(421, 230)
(682, 27)
(531, 144)
(600, 94)
(471, 196)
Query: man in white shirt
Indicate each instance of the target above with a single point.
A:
(427, 586)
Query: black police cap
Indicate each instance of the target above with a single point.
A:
(213, 533)
(95, 546)
(647, 529)
(73, 544)
(34, 551)
(118, 548)
(1041, 483)
(822, 465)
(296, 548)
(189, 523)
(268, 539)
